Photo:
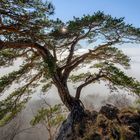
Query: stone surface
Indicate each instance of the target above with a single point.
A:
(109, 111)
(108, 123)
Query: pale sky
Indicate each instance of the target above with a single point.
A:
(130, 9)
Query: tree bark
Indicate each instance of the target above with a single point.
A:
(63, 91)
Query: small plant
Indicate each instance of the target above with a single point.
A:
(51, 117)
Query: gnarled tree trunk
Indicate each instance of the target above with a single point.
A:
(74, 105)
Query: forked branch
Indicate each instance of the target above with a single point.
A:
(88, 81)
(74, 63)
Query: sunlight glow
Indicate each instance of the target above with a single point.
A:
(64, 30)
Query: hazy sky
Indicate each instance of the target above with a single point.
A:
(130, 9)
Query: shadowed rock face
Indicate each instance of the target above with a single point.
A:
(109, 111)
(108, 123)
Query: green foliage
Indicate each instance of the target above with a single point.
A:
(6, 57)
(7, 80)
(119, 78)
(112, 54)
(28, 17)
(50, 64)
(12, 105)
(52, 116)
(79, 77)
(109, 28)
(46, 87)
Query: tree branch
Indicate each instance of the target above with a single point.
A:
(73, 64)
(16, 45)
(71, 51)
(88, 81)
(10, 28)
(74, 44)
(43, 50)
(37, 76)
(69, 58)
(24, 53)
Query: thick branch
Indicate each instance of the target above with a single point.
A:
(16, 45)
(73, 64)
(74, 44)
(71, 52)
(44, 52)
(87, 82)
(10, 28)
(54, 53)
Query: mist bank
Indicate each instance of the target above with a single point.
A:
(93, 96)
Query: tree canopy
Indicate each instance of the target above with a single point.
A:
(48, 49)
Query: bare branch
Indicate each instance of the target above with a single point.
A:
(88, 81)
(69, 58)
(71, 52)
(77, 39)
(73, 64)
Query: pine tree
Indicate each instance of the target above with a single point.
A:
(27, 32)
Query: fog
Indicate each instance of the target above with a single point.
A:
(100, 92)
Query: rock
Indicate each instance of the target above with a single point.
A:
(95, 136)
(65, 132)
(109, 111)
(129, 118)
(108, 123)
(132, 120)
(91, 115)
(115, 134)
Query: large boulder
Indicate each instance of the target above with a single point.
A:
(109, 123)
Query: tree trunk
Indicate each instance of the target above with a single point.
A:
(74, 105)
(76, 115)
(70, 102)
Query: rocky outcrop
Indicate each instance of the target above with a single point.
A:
(109, 111)
(109, 123)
